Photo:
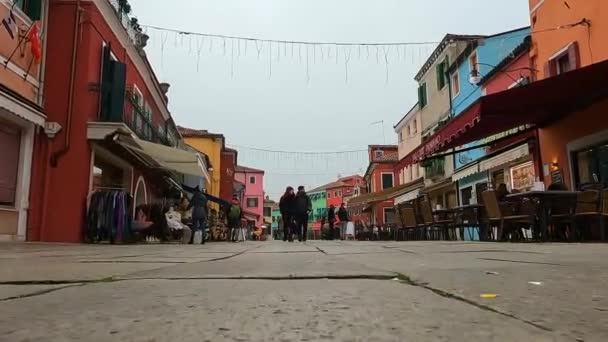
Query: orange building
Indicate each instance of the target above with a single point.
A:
(21, 93)
(574, 148)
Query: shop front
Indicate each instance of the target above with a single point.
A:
(19, 119)
(442, 194)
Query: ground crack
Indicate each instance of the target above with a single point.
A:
(407, 280)
(39, 293)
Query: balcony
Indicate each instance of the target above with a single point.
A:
(140, 122)
(434, 168)
(129, 23)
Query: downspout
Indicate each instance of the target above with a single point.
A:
(68, 129)
(42, 68)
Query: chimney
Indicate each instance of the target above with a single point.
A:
(164, 87)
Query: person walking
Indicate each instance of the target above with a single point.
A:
(198, 203)
(234, 215)
(287, 206)
(343, 216)
(331, 219)
(303, 209)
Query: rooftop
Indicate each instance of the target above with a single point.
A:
(203, 133)
(240, 168)
(445, 42)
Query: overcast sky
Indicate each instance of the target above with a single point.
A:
(275, 104)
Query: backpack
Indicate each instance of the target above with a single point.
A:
(234, 213)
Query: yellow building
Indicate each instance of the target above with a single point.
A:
(211, 144)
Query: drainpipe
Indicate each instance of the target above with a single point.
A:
(68, 129)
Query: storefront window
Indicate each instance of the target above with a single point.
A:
(467, 195)
(591, 165)
(107, 176)
(522, 177)
(10, 143)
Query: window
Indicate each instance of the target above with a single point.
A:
(466, 195)
(422, 99)
(379, 154)
(339, 194)
(591, 165)
(441, 69)
(567, 59)
(400, 136)
(252, 180)
(409, 131)
(10, 145)
(415, 126)
(387, 181)
(32, 8)
(329, 195)
(473, 62)
(252, 202)
(563, 64)
(267, 211)
(455, 85)
(389, 216)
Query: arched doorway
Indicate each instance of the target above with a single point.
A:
(141, 196)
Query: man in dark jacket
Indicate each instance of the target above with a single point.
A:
(198, 203)
(343, 216)
(331, 219)
(303, 209)
(287, 205)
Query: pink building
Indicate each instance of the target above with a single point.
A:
(253, 201)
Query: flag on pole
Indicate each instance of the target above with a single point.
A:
(10, 24)
(36, 44)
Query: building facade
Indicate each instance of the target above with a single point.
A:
(253, 201)
(117, 133)
(21, 99)
(409, 135)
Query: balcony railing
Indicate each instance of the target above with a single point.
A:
(434, 168)
(140, 122)
(130, 24)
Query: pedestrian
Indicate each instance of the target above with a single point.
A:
(287, 206)
(303, 209)
(331, 219)
(234, 215)
(343, 216)
(198, 203)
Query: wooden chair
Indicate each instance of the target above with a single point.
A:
(437, 229)
(562, 218)
(408, 221)
(587, 210)
(604, 214)
(504, 217)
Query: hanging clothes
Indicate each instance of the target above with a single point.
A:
(109, 217)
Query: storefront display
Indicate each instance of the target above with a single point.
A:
(522, 176)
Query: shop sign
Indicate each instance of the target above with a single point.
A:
(557, 177)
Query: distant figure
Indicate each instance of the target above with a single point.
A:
(303, 209)
(287, 206)
(502, 192)
(331, 219)
(234, 215)
(343, 216)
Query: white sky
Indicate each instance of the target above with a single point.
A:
(281, 110)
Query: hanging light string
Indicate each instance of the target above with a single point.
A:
(278, 41)
(295, 152)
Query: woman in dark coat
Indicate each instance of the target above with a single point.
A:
(287, 205)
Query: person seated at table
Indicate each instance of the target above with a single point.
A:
(174, 222)
(502, 192)
(557, 187)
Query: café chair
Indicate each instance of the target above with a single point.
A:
(437, 229)
(587, 210)
(505, 218)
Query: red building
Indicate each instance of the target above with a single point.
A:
(374, 208)
(116, 126)
(228, 165)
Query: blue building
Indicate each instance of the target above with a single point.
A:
(479, 58)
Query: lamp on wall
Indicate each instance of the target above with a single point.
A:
(475, 76)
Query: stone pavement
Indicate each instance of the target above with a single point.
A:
(321, 290)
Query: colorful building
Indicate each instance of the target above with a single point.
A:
(409, 133)
(21, 93)
(212, 145)
(116, 131)
(228, 162)
(253, 201)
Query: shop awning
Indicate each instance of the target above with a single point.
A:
(465, 172)
(536, 104)
(444, 183)
(182, 161)
(375, 197)
(250, 216)
(20, 106)
(155, 155)
(412, 195)
(505, 157)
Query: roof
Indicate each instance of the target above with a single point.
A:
(328, 186)
(201, 133)
(383, 146)
(240, 168)
(409, 112)
(389, 157)
(519, 50)
(386, 194)
(445, 42)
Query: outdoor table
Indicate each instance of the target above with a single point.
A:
(543, 201)
(476, 211)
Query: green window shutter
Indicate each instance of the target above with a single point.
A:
(33, 9)
(441, 68)
(423, 99)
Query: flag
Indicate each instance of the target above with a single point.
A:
(36, 44)
(10, 24)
